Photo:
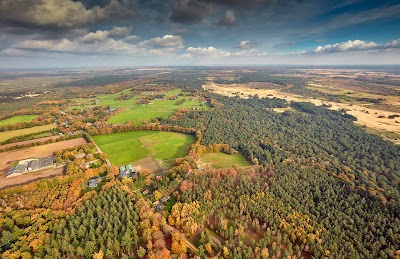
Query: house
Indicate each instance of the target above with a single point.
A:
(145, 192)
(126, 171)
(33, 165)
(94, 181)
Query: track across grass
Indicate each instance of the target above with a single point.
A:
(15, 133)
(17, 119)
(222, 160)
(128, 147)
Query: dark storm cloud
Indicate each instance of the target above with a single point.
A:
(64, 14)
(190, 11)
(238, 3)
(285, 45)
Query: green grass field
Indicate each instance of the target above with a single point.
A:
(17, 119)
(16, 133)
(127, 147)
(139, 113)
(222, 160)
(105, 100)
(157, 108)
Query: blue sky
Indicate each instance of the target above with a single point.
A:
(90, 33)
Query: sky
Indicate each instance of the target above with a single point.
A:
(100, 33)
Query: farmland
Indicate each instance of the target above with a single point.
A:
(7, 158)
(130, 147)
(15, 133)
(155, 109)
(221, 160)
(17, 119)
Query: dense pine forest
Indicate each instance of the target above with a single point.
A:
(320, 164)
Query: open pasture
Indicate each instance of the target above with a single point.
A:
(134, 146)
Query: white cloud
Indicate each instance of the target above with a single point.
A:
(246, 44)
(215, 52)
(354, 45)
(132, 38)
(167, 41)
(120, 31)
(210, 51)
(99, 42)
(93, 37)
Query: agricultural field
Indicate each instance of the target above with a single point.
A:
(138, 113)
(135, 146)
(222, 160)
(104, 100)
(155, 109)
(16, 133)
(17, 119)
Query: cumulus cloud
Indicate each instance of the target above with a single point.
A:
(209, 51)
(93, 37)
(132, 38)
(190, 11)
(120, 31)
(216, 52)
(285, 45)
(354, 45)
(99, 42)
(55, 13)
(167, 41)
(100, 35)
(246, 44)
(229, 19)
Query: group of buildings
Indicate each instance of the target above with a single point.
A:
(31, 165)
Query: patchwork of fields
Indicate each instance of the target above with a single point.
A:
(134, 146)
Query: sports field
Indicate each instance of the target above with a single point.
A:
(222, 160)
(130, 147)
(15, 133)
(17, 119)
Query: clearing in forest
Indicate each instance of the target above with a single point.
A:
(134, 146)
(222, 160)
(17, 119)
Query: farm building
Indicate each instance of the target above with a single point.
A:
(30, 165)
(33, 165)
(16, 170)
(46, 162)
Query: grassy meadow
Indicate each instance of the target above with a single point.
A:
(17, 119)
(128, 147)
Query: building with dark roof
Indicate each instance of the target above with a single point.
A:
(33, 165)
